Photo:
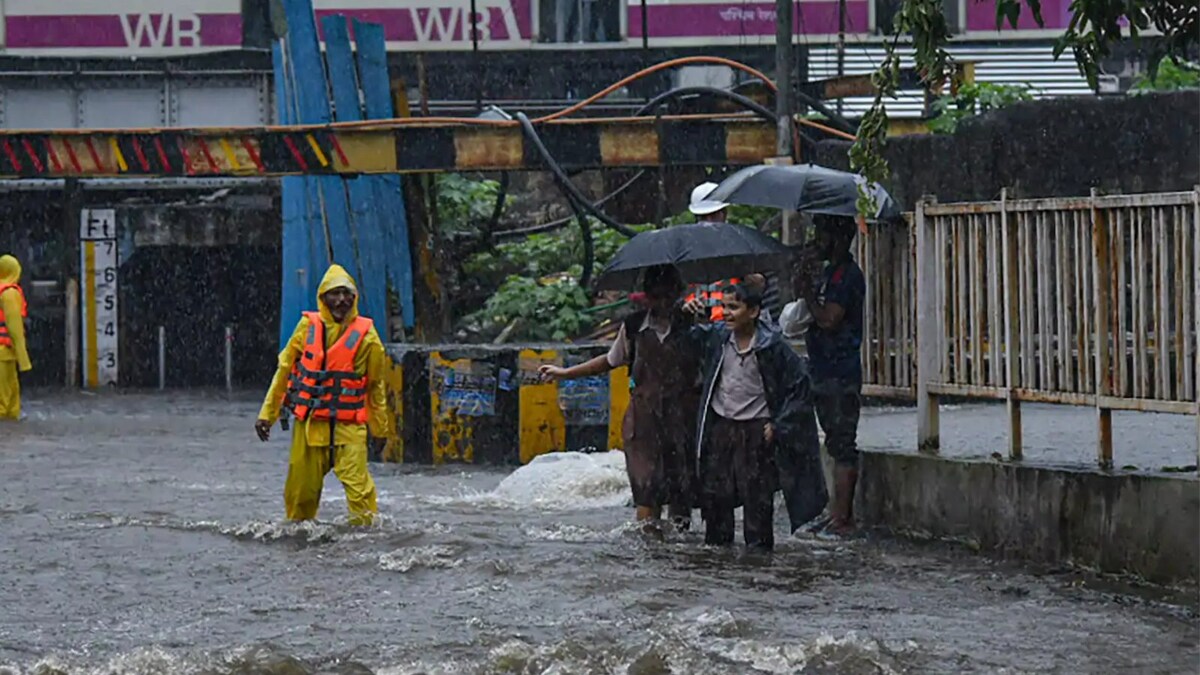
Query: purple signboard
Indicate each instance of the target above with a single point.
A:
(440, 21)
(133, 27)
(981, 16)
(749, 19)
(163, 27)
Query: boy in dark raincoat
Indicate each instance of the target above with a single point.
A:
(757, 430)
(658, 430)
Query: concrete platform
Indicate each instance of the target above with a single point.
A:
(1054, 506)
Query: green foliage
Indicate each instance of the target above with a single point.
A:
(1095, 25)
(1171, 76)
(974, 99)
(464, 204)
(548, 253)
(548, 309)
(541, 286)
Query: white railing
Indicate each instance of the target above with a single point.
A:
(1086, 301)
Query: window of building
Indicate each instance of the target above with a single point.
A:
(566, 21)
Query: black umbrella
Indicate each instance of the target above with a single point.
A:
(702, 252)
(807, 188)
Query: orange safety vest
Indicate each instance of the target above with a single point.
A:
(712, 295)
(323, 384)
(5, 336)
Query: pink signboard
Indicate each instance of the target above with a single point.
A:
(440, 22)
(743, 19)
(163, 27)
(133, 27)
(981, 16)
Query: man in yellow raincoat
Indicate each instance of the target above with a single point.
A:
(330, 377)
(13, 355)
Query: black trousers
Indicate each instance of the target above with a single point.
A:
(838, 403)
(739, 470)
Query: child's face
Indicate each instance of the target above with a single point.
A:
(738, 315)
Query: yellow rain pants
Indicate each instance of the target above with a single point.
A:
(10, 391)
(309, 459)
(307, 467)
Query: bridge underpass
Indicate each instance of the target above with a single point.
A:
(908, 607)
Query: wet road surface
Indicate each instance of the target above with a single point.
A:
(143, 534)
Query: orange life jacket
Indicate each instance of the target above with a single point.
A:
(5, 336)
(712, 296)
(323, 384)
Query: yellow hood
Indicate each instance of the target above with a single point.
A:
(10, 270)
(334, 277)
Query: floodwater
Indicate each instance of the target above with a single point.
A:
(144, 534)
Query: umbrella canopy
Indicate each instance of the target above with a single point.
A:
(702, 252)
(806, 187)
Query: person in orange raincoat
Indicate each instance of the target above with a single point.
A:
(14, 356)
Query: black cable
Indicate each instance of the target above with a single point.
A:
(555, 224)
(839, 121)
(589, 249)
(744, 101)
(564, 182)
(497, 209)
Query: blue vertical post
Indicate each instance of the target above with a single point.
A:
(330, 206)
(294, 248)
(389, 197)
(364, 215)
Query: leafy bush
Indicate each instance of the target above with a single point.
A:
(975, 99)
(1171, 76)
(463, 204)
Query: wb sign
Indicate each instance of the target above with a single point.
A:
(452, 21)
(161, 30)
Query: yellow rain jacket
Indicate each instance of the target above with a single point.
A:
(16, 357)
(310, 455)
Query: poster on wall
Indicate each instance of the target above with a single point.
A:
(98, 296)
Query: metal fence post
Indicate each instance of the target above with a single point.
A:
(1012, 326)
(1102, 276)
(1196, 300)
(72, 334)
(928, 325)
(162, 357)
(229, 359)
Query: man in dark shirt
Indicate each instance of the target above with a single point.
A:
(835, 299)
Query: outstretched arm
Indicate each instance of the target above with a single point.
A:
(596, 366)
(269, 413)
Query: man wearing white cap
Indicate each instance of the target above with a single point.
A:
(702, 208)
(717, 212)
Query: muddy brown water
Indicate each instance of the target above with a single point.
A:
(143, 533)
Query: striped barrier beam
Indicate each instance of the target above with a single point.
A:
(407, 148)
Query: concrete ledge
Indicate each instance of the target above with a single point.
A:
(1118, 523)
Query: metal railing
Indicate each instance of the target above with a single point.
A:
(1085, 301)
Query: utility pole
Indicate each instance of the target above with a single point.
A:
(841, 48)
(784, 151)
(783, 76)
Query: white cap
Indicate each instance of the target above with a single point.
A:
(701, 206)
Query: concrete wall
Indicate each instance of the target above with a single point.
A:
(1052, 148)
(1118, 523)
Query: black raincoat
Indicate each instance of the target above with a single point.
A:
(788, 389)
